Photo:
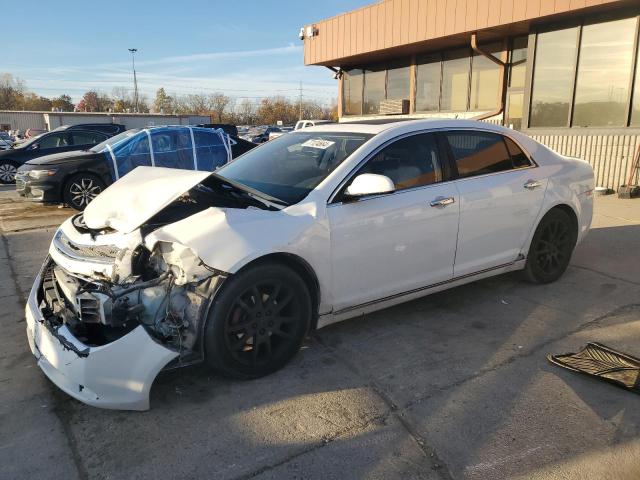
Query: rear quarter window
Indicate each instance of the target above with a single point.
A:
(518, 157)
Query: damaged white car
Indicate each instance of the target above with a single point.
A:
(167, 268)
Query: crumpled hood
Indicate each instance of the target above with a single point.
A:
(139, 195)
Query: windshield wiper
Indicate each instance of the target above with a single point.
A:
(266, 199)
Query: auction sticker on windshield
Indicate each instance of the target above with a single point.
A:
(318, 143)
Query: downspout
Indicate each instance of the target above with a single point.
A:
(503, 78)
(337, 72)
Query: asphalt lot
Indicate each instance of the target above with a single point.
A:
(455, 385)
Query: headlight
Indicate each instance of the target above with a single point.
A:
(38, 174)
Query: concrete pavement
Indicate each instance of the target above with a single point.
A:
(455, 385)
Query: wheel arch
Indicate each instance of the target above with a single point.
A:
(566, 208)
(302, 268)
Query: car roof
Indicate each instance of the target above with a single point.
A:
(377, 126)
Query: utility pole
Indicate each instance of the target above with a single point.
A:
(300, 114)
(135, 80)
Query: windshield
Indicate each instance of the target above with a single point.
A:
(27, 143)
(290, 166)
(113, 140)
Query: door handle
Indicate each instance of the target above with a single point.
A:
(442, 201)
(531, 184)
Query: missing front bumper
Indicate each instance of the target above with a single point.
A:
(117, 375)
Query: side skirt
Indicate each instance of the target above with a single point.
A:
(363, 309)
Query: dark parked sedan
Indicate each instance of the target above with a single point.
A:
(46, 144)
(76, 178)
(110, 129)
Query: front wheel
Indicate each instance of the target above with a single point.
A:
(8, 171)
(81, 189)
(258, 321)
(551, 248)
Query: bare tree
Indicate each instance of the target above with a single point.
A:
(246, 112)
(12, 91)
(218, 103)
(196, 103)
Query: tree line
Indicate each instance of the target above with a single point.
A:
(222, 108)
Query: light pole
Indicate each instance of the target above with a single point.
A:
(135, 80)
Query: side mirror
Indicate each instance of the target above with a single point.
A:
(369, 184)
(35, 146)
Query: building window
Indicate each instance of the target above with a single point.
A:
(485, 79)
(374, 89)
(428, 72)
(352, 92)
(517, 77)
(515, 101)
(553, 77)
(598, 86)
(635, 107)
(518, 62)
(398, 81)
(604, 69)
(455, 80)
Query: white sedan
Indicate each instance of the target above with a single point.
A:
(168, 268)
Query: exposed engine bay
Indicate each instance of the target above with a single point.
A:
(104, 284)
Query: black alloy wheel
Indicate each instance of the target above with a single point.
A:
(81, 189)
(258, 322)
(551, 247)
(7, 172)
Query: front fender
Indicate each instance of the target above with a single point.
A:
(227, 239)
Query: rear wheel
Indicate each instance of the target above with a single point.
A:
(258, 321)
(81, 189)
(8, 171)
(551, 247)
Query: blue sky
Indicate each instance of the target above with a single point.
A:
(244, 48)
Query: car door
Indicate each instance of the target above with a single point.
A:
(386, 245)
(501, 192)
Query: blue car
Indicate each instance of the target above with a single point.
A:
(76, 178)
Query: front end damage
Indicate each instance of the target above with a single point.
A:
(106, 314)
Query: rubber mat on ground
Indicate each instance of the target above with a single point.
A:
(605, 363)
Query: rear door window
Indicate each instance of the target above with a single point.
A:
(87, 138)
(209, 153)
(172, 148)
(55, 140)
(478, 153)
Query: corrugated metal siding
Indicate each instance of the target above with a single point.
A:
(610, 155)
(392, 23)
(50, 120)
(22, 120)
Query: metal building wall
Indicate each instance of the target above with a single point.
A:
(610, 155)
(55, 119)
(51, 120)
(398, 23)
(22, 120)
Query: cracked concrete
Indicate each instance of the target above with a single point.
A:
(455, 385)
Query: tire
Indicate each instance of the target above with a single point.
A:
(551, 247)
(8, 171)
(80, 189)
(250, 335)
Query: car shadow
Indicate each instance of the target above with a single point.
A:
(465, 368)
